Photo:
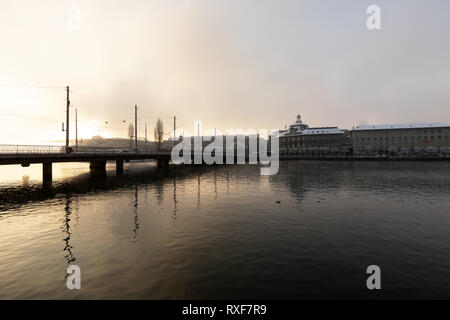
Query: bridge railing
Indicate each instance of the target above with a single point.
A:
(111, 150)
(30, 149)
(18, 150)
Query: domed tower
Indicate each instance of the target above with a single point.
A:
(298, 126)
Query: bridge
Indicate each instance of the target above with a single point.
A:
(96, 156)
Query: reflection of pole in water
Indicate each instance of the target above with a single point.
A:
(146, 195)
(198, 192)
(66, 230)
(159, 188)
(77, 211)
(174, 216)
(25, 181)
(215, 185)
(136, 217)
(228, 182)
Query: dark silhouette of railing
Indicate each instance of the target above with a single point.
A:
(6, 149)
(20, 150)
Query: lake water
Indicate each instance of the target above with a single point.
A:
(218, 232)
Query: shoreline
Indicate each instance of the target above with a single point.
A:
(363, 159)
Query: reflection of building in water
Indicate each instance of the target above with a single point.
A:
(303, 178)
(301, 140)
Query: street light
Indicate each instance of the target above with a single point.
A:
(110, 121)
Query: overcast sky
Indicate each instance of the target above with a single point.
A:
(230, 63)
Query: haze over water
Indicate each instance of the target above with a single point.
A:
(218, 232)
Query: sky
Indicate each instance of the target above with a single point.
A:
(228, 63)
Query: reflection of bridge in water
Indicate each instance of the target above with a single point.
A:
(97, 157)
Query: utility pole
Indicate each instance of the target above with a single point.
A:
(174, 128)
(76, 129)
(146, 132)
(135, 128)
(67, 120)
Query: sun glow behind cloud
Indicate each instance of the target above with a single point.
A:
(232, 64)
(27, 113)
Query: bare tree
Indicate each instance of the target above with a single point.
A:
(131, 133)
(159, 133)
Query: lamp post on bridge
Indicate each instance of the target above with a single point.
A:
(67, 119)
(76, 129)
(135, 129)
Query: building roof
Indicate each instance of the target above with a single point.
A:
(300, 128)
(401, 126)
(326, 130)
(315, 131)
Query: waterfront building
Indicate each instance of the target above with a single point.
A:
(402, 140)
(299, 140)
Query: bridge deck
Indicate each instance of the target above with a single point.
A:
(44, 154)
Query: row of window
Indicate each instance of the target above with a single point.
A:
(309, 144)
(312, 138)
(402, 132)
(401, 138)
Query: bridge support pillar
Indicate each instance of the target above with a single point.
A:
(162, 163)
(97, 166)
(47, 173)
(119, 166)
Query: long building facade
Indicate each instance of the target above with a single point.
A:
(415, 140)
(299, 140)
(402, 140)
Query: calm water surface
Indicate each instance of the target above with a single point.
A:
(218, 232)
